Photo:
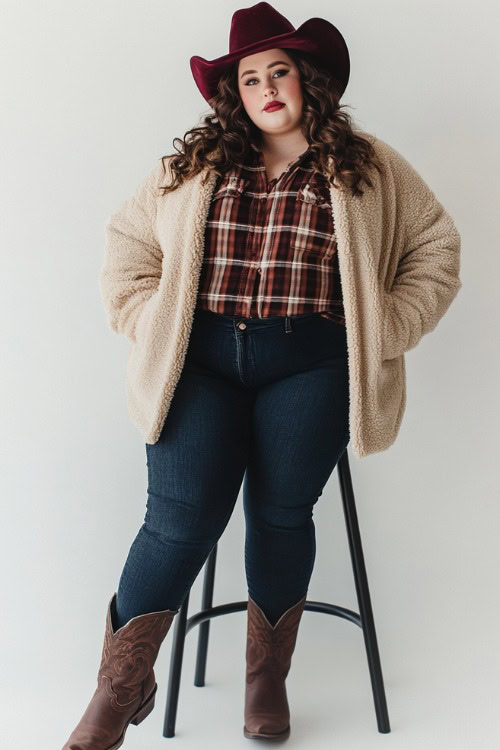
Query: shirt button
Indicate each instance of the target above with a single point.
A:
(259, 270)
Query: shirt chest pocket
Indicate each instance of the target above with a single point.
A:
(313, 230)
(229, 191)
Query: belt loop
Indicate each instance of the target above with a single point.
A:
(288, 325)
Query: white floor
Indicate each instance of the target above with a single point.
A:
(328, 688)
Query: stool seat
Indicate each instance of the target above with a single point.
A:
(183, 624)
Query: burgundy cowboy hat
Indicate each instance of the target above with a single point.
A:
(261, 27)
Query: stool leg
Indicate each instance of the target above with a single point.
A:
(174, 678)
(204, 628)
(363, 594)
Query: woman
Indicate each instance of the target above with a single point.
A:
(269, 292)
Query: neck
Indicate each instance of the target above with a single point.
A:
(282, 147)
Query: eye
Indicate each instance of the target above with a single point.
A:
(281, 70)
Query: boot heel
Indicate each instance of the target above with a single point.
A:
(146, 709)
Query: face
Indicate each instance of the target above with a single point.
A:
(273, 76)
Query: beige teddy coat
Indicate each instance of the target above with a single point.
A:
(399, 261)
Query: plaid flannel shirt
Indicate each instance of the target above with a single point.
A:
(270, 247)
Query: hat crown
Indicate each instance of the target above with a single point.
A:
(252, 25)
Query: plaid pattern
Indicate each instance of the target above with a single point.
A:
(270, 248)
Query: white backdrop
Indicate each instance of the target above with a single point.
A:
(93, 93)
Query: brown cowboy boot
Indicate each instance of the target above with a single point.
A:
(268, 656)
(126, 683)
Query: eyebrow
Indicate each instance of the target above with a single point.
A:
(271, 65)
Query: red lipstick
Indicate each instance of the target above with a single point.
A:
(272, 106)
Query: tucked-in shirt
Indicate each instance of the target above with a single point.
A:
(270, 247)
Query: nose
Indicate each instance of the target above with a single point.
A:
(270, 90)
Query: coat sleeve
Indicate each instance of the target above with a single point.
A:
(131, 271)
(428, 272)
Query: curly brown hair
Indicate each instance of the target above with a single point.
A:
(225, 135)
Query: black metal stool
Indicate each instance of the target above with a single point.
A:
(365, 620)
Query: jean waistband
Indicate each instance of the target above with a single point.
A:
(231, 321)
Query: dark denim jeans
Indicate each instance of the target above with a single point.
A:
(263, 402)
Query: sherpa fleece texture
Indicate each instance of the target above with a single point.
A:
(399, 261)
